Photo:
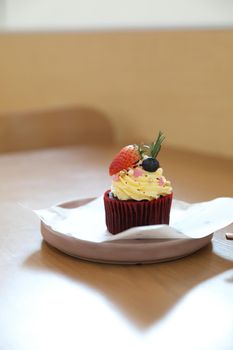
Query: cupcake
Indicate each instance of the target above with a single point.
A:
(140, 194)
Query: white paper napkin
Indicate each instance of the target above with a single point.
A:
(186, 221)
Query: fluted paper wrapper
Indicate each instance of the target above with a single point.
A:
(122, 215)
(190, 221)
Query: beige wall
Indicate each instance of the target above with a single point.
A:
(180, 82)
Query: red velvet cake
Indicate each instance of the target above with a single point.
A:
(140, 194)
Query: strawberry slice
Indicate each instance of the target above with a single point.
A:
(126, 158)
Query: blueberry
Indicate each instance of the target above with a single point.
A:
(150, 164)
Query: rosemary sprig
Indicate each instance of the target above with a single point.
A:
(156, 145)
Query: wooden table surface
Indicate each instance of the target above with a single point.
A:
(49, 300)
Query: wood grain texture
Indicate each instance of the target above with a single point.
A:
(177, 81)
(50, 300)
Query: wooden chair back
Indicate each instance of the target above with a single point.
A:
(54, 128)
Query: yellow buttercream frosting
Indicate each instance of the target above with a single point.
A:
(139, 184)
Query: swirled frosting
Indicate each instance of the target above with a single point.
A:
(139, 184)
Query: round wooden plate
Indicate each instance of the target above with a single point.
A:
(135, 251)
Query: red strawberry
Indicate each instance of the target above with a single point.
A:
(127, 157)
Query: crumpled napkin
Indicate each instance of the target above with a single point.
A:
(186, 221)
